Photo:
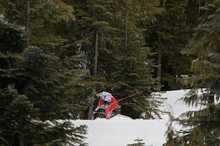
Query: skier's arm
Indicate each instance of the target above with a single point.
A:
(100, 104)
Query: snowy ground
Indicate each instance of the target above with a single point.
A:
(122, 130)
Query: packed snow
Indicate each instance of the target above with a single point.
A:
(121, 130)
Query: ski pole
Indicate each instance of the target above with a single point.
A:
(133, 94)
(98, 112)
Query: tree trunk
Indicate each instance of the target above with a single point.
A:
(159, 64)
(126, 26)
(28, 21)
(21, 142)
(126, 32)
(96, 53)
(159, 55)
(90, 116)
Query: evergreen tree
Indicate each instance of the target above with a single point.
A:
(168, 37)
(47, 17)
(136, 65)
(38, 82)
(38, 15)
(92, 30)
(204, 124)
(123, 64)
(11, 46)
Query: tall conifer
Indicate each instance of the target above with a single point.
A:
(42, 88)
(168, 37)
(134, 65)
(123, 65)
(204, 124)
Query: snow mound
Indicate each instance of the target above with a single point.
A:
(121, 130)
(120, 116)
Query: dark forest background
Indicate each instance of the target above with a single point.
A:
(54, 55)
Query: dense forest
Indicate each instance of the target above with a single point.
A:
(54, 55)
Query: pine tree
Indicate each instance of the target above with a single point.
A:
(134, 65)
(168, 37)
(47, 17)
(42, 16)
(37, 82)
(204, 124)
(11, 46)
(91, 40)
(121, 69)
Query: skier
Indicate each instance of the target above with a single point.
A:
(106, 96)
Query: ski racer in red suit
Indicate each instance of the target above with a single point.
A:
(105, 96)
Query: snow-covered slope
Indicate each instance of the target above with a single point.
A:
(122, 130)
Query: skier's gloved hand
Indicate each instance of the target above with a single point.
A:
(96, 109)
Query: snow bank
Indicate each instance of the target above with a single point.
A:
(122, 130)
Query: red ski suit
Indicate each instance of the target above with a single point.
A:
(105, 96)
